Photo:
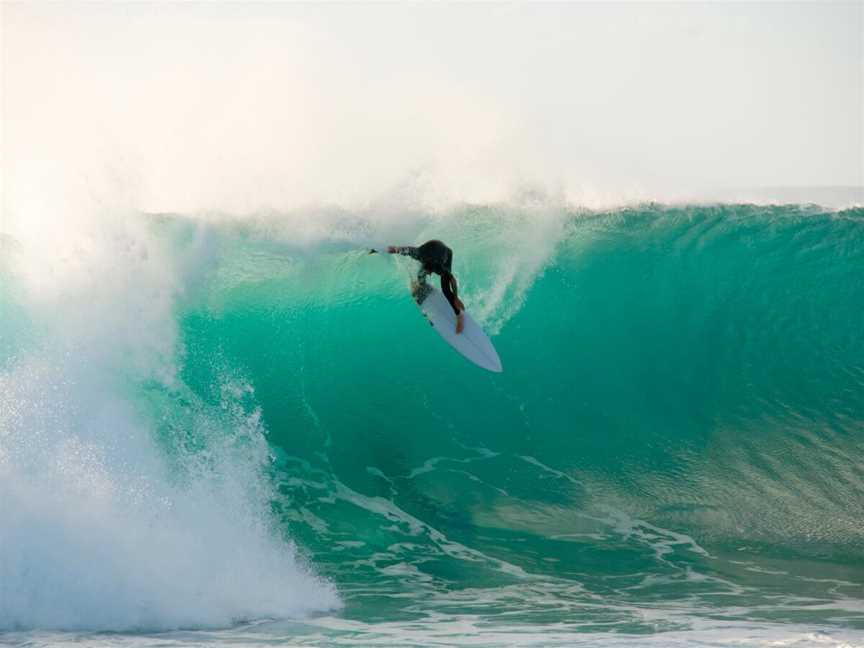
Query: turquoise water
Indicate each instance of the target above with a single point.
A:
(246, 431)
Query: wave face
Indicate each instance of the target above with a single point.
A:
(674, 445)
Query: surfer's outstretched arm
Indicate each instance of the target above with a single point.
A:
(405, 250)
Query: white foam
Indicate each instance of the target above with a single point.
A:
(103, 526)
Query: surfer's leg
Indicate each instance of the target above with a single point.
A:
(419, 288)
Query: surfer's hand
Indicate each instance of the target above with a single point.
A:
(460, 322)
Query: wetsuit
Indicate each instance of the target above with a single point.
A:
(435, 257)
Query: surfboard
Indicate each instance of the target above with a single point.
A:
(472, 342)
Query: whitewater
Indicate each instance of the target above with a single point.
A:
(218, 428)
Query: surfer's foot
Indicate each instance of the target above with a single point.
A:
(460, 322)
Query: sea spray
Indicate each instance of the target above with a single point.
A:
(112, 519)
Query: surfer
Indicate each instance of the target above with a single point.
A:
(436, 257)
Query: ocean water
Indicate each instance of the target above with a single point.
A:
(240, 431)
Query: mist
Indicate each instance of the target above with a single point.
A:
(182, 107)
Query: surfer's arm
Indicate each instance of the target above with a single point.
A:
(405, 250)
(451, 289)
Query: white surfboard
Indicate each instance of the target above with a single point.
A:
(471, 342)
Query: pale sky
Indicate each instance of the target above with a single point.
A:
(242, 106)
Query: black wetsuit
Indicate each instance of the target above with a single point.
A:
(435, 257)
